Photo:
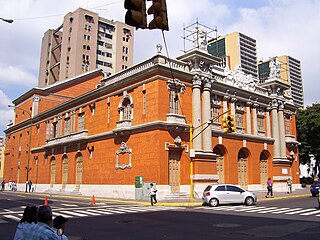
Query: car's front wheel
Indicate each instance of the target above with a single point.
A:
(249, 201)
(214, 202)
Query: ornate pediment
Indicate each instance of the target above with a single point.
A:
(239, 79)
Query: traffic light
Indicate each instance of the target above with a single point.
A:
(160, 18)
(136, 15)
(228, 124)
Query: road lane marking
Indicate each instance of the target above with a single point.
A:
(54, 214)
(99, 212)
(285, 211)
(310, 213)
(74, 213)
(301, 211)
(12, 217)
(69, 205)
(87, 212)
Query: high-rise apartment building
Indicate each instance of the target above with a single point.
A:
(290, 73)
(85, 41)
(236, 49)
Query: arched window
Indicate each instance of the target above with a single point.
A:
(126, 107)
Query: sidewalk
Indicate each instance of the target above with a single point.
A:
(304, 192)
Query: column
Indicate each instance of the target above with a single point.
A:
(248, 115)
(254, 119)
(282, 131)
(268, 122)
(233, 106)
(206, 109)
(196, 112)
(275, 129)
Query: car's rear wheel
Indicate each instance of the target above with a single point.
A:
(249, 201)
(214, 202)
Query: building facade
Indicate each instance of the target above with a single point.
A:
(290, 73)
(137, 123)
(84, 42)
(1, 157)
(236, 49)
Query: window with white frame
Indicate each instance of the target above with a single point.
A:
(260, 123)
(239, 116)
(126, 107)
(174, 101)
(175, 86)
(287, 125)
(67, 126)
(215, 108)
(80, 122)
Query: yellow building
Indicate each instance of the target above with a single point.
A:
(236, 49)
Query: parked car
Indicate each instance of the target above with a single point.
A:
(314, 188)
(216, 194)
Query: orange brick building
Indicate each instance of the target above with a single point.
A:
(93, 134)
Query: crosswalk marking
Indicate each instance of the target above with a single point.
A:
(101, 212)
(301, 211)
(12, 217)
(54, 214)
(310, 213)
(73, 213)
(87, 212)
(286, 210)
(264, 210)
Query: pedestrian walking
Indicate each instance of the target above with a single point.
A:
(3, 185)
(153, 194)
(30, 185)
(269, 188)
(59, 224)
(27, 223)
(43, 229)
(289, 185)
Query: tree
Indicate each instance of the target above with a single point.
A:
(308, 134)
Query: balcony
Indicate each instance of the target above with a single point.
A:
(176, 122)
(123, 127)
(76, 136)
(176, 118)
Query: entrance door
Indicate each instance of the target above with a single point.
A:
(79, 172)
(243, 172)
(220, 169)
(174, 171)
(263, 173)
(53, 172)
(64, 172)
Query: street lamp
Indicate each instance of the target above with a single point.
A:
(7, 20)
(29, 147)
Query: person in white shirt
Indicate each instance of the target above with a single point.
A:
(153, 194)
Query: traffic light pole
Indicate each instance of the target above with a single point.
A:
(191, 147)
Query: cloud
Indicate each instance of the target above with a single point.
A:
(286, 28)
(5, 112)
(14, 76)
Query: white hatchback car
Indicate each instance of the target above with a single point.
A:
(216, 194)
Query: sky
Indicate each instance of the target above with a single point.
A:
(280, 27)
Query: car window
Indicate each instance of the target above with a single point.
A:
(208, 188)
(234, 189)
(220, 188)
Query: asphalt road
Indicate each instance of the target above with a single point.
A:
(282, 219)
